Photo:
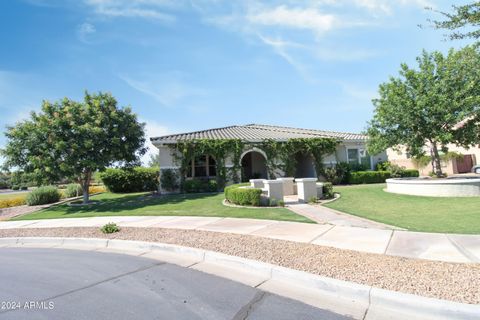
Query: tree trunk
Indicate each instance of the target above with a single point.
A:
(436, 161)
(85, 183)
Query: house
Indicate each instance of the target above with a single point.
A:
(463, 162)
(252, 160)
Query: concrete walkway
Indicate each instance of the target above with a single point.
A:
(322, 214)
(431, 246)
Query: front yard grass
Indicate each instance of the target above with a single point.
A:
(143, 204)
(429, 214)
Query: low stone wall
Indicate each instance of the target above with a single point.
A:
(449, 187)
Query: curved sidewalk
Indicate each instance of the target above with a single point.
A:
(430, 246)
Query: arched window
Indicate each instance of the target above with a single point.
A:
(203, 166)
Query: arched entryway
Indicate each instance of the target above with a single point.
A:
(254, 165)
(305, 166)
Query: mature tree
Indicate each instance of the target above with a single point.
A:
(465, 18)
(74, 139)
(434, 105)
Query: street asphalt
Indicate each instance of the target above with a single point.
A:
(74, 284)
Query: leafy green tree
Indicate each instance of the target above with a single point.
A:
(434, 105)
(463, 16)
(75, 139)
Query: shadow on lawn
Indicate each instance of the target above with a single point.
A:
(131, 202)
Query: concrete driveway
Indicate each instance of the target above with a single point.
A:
(71, 284)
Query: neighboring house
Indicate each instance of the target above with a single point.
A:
(253, 160)
(463, 164)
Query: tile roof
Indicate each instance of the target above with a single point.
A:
(257, 133)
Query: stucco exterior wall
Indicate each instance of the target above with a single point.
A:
(167, 160)
(401, 158)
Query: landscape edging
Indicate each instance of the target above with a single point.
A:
(376, 302)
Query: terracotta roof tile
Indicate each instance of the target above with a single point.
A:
(256, 133)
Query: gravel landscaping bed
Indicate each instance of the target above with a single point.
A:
(451, 281)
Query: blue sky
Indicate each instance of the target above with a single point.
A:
(194, 64)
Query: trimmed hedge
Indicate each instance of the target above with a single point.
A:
(243, 196)
(199, 185)
(130, 180)
(360, 177)
(409, 173)
(43, 195)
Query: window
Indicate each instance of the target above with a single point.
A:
(365, 159)
(352, 155)
(200, 166)
(212, 169)
(203, 166)
(358, 156)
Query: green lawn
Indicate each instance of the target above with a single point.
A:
(450, 215)
(141, 204)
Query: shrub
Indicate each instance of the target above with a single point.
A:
(200, 185)
(5, 181)
(130, 180)
(73, 190)
(110, 228)
(12, 202)
(169, 180)
(360, 177)
(328, 190)
(243, 196)
(15, 187)
(96, 189)
(23, 188)
(313, 199)
(396, 170)
(410, 173)
(340, 173)
(43, 195)
(383, 166)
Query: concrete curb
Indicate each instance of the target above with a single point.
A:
(348, 298)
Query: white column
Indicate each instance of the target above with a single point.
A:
(306, 189)
(275, 189)
(287, 185)
(257, 183)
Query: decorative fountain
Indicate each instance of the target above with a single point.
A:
(436, 187)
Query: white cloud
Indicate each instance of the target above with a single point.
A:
(151, 9)
(388, 6)
(84, 30)
(281, 47)
(298, 18)
(167, 89)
